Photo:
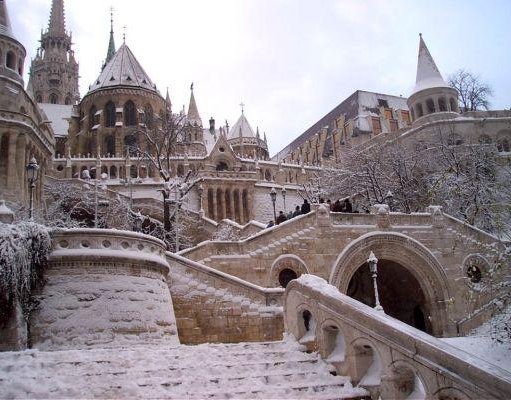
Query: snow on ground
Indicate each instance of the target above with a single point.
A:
(491, 341)
(246, 370)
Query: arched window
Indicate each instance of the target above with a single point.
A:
(503, 145)
(20, 66)
(452, 103)
(68, 100)
(110, 118)
(130, 116)
(442, 104)
(420, 111)
(54, 99)
(148, 116)
(10, 61)
(110, 145)
(430, 106)
(92, 116)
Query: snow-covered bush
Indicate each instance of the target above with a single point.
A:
(24, 250)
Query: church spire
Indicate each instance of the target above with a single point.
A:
(167, 100)
(193, 112)
(57, 25)
(111, 44)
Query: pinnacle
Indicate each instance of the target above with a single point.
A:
(193, 111)
(57, 25)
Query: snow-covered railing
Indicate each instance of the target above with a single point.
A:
(382, 354)
(221, 280)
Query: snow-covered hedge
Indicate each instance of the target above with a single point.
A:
(24, 250)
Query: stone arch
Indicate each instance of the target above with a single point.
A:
(54, 98)
(334, 340)
(365, 362)
(414, 257)
(405, 380)
(286, 262)
(10, 60)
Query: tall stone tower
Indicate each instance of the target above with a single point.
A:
(54, 71)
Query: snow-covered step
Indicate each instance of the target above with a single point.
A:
(219, 371)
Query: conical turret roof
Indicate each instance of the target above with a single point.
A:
(241, 128)
(5, 22)
(123, 70)
(193, 116)
(428, 74)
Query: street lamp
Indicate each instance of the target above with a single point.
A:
(284, 197)
(32, 172)
(373, 268)
(273, 196)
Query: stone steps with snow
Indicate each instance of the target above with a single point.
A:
(219, 371)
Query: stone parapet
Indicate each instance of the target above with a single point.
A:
(387, 357)
(104, 288)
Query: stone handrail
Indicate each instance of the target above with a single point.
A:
(108, 243)
(382, 353)
(236, 286)
(252, 243)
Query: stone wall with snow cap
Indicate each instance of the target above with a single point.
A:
(104, 288)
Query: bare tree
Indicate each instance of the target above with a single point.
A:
(473, 94)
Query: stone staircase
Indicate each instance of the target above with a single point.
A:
(271, 370)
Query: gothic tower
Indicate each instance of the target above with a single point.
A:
(54, 71)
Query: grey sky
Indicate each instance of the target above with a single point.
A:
(289, 61)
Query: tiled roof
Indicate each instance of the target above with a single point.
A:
(241, 126)
(123, 70)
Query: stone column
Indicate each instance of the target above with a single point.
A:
(240, 204)
(215, 205)
(232, 213)
(224, 206)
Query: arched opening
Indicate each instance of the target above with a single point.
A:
(68, 101)
(39, 98)
(110, 145)
(430, 105)
(452, 103)
(286, 276)
(401, 295)
(10, 61)
(335, 345)
(130, 115)
(113, 172)
(366, 365)
(110, 118)
(222, 166)
(54, 99)
(406, 384)
(420, 111)
(442, 105)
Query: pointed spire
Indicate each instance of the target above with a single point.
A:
(111, 44)
(57, 24)
(428, 74)
(5, 22)
(167, 99)
(193, 112)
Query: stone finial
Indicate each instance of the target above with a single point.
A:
(437, 216)
(6, 214)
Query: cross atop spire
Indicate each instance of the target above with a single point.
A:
(242, 105)
(57, 25)
(428, 74)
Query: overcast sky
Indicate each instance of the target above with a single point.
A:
(289, 61)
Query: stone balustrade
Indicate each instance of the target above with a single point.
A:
(104, 288)
(389, 358)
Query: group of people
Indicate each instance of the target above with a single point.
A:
(282, 217)
(338, 206)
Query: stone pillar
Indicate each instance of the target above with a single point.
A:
(240, 205)
(215, 205)
(224, 206)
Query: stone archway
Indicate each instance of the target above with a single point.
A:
(398, 252)
(286, 268)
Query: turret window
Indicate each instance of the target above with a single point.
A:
(453, 104)
(442, 104)
(420, 111)
(110, 113)
(130, 116)
(430, 106)
(10, 61)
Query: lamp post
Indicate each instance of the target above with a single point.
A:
(373, 268)
(273, 196)
(32, 172)
(284, 197)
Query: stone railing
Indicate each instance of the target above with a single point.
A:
(221, 280)
(391, 359)
(252, 243)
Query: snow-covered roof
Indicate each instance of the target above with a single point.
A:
(5, 22)
(123, 70)
(59, 116)
(241, 128)
(428, 74)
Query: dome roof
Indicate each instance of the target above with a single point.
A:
(123, 70)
